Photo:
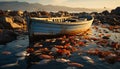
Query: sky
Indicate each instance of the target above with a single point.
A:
(77, 3)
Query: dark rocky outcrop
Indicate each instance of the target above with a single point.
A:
(5, 22)
(18, 19)
(116, 11)
(7, 36)
(105, 12)
(112, 18)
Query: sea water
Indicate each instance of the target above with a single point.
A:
(12, 61)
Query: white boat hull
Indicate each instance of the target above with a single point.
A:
(51, 28)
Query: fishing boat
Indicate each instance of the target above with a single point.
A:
(59, 25)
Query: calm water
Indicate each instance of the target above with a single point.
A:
(14, 47)
(20, 45)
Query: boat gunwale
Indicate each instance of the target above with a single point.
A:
(62, 23)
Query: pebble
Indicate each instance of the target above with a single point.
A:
(74, 64)
(43, 56)
(22, 54)
(62, 60)
(88, 59)
(6, 52)
(44, 61)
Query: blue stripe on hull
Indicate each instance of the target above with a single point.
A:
(56, 28)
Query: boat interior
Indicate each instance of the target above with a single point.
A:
(66, 19)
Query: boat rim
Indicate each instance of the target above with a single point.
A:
(61, 23)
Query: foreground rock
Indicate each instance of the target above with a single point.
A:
(7, 36)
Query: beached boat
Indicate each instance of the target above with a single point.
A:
(59, 25)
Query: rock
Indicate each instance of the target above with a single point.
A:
(44, 61)
(80, 43)
(30, 50)
(74, 64)
(64, 52)
(116, 11)
(18, 19)
(115, 45)
(6, 53)
(103, 54)
(7, 36)
(105, 12)
(43, 56)
(5, 22)
(62, 60)
(93, 52)
(88, 59)
(105, 37)
(54, 50)
(111, 59)
(22, 54)
(38, 45)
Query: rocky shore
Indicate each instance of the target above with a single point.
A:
(106, 17)
(100, 43)
(10, 23)
(99, 47)
(16, 21)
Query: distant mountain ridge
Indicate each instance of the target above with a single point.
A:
(15, 5)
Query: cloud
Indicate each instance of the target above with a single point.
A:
(58, 1)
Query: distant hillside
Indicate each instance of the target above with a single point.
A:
(15, 5)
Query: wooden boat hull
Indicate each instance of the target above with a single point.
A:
(40, 27)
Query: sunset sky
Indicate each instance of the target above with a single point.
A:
(76, 3)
